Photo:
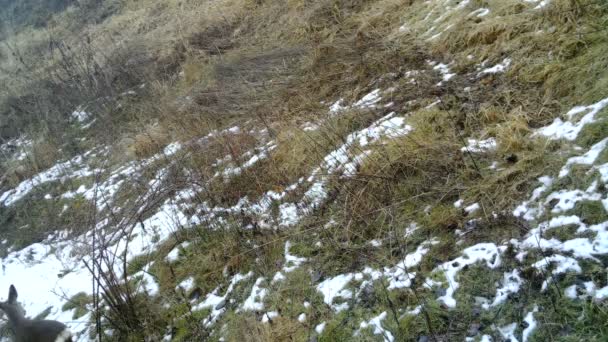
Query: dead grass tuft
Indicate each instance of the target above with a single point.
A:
(151, 141)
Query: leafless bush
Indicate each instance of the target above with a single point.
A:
(118, 304)
(51, 82)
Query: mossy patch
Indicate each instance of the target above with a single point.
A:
(590, 212)
(561, 233)
(592, 133)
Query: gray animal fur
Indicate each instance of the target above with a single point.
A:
(28, 330)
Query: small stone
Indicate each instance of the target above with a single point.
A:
(423, 339)
(512, 158)
(473, 329)
(553, 202)
(471, 224)
(315, 276)
(220, 305)
(440, 292)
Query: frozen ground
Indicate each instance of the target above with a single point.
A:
(50, 272)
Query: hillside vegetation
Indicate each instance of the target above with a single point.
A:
(330, 170)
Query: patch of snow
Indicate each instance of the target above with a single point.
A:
(541, 3)
(524, 210)
(480, 12)
(478, 146)
(334, 287)
(80, 115)
(399, 275)
(254, 158)
(377, 329)
(288, 214)
(510, 284)
(309, 126)
(444, 70)
(486, 252)
(601, 294)
(369, 100)
(570, 292)
(532, 324)
(172, 148)
(70, 169)
(337, 107)
(186, 284)
(214, 301)
(375, 243)
(147, 283)
(341, 161)
(586, 159)
(472, 208)
(268, 316)
(291, 261)
(278, 277)
(562, 264)
(508, 332)
(44, 277)
(498, 68)
(255, 301)
(569, 130)
(174, 254)
(565, 200)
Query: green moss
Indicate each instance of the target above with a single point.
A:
(288, 296)
(444, 217)
(561, 233)
(186, 326)
(302, 249)
(590, 212)
(338, 330)
(592, 271)
(592, 133)
(566, 320)
(603, 157)
(477, 281)
(443, 251)
(579, 177)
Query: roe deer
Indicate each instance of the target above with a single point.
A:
(32, 330)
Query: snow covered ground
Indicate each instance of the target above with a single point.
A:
(49, 273)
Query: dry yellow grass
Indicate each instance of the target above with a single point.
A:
(150, 141)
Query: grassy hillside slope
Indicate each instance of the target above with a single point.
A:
(332, 170)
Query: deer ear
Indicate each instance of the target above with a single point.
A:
(12, 295)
